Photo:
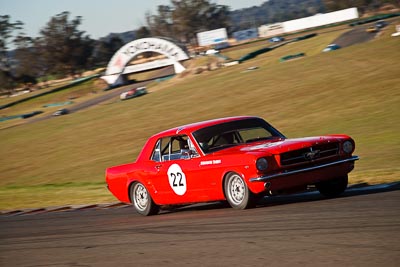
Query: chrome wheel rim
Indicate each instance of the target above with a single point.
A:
(237, 189)
(141, 197)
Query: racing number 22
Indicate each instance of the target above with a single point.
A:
(177, 179)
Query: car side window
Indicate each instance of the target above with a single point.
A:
(173, 148)
(156, 156)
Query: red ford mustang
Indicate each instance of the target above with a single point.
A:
(237, 159)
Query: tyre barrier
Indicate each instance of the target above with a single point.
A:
(221, 56)
(308, 36)
(373, 19)
(254, 54)
(290, 57)
(267, 49)
(22, 116)
(10, 117)
(58, 104)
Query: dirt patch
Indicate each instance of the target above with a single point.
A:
(355, 36)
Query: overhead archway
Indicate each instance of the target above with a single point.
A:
(118, 63)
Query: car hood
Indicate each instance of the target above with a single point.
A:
(278, 146)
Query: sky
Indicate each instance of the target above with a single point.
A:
(99, 17)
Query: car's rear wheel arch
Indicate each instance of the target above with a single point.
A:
(149, 189)
(131, 184)
(141, 199)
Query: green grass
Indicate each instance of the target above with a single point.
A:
(353, 90)
(66, 193)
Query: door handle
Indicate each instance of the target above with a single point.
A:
(158, 167)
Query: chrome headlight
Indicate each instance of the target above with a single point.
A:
(262, 164)
(348, 147)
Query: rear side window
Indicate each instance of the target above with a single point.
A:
(172, 148)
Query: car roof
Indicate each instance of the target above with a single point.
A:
(184, 130)
(189, 128)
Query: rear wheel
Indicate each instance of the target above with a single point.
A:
(333, 188)
(142, 200)
(237, 193)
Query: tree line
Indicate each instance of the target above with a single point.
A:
(362, 5)
(273, 11)
(62, 49)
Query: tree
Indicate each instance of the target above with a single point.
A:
(6, 29)
(6, 33)
(185, 18)
(6, 82)
(161, 24)
(362, 5)
(274, 11)
(104, 50)
(26, 57)
(63, 48)
(143, 32)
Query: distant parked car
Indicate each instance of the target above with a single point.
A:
(211, 52)
(135, 92)
(380, 24)
(276, 39)
(331, 47)
(372, 29)
(60, 112)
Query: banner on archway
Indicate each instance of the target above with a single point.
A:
(118, 63)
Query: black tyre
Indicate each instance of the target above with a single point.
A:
(142, 201)
(237, 193)
(333, 188)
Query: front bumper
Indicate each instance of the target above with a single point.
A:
(304, 170)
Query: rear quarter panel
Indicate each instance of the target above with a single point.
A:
(118, 181)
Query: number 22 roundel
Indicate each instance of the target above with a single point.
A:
(177, 179)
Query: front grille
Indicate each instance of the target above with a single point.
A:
(309, 154)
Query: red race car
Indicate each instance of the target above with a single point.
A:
(237, 159)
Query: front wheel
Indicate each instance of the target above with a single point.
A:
(237, 193)
(142, 200)
(333, 188)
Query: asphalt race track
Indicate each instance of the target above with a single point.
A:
(355, 36)
(359, 229)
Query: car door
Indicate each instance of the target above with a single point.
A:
(177, 176)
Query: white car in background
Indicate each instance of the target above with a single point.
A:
(212, 52)
(135, 92)
(331, 47)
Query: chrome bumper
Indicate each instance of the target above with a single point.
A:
(272, 176)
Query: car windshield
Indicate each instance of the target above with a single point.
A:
(224, 135)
